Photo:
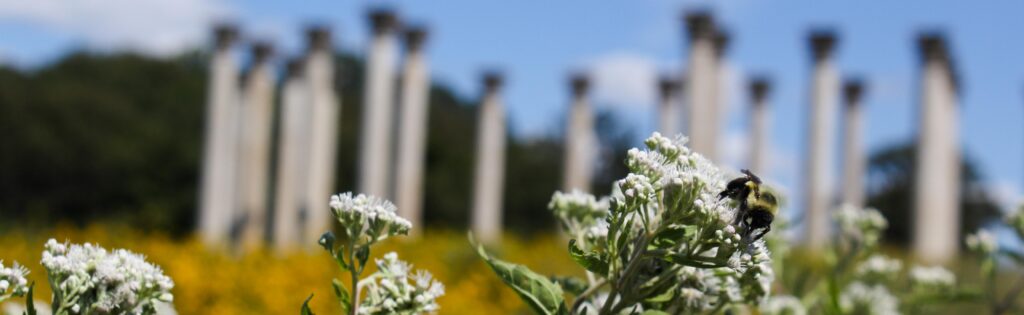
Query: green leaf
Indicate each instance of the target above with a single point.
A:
(666, 296)
(305, 306)
(363, 254)
(591, 261)
(542, 295)
(343, 299)
(339, 256)
(654, 312)
(30, 305)
(694, 261)
(670, 235)
(573, 285)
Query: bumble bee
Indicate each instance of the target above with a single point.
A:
(757, 205)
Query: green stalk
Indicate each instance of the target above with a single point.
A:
(355, 276)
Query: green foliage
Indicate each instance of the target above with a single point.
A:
(102, 137)
(344, 300)
(305, 306)
(542, 295)
(892, 176)
(591, 261)
(30, 306)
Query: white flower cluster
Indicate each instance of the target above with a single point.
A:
(879, 268)
(394, 293)
(783, 305)
(368, 218)
(88, 279)
(932, 278)
(671, 188)
(703, 290)
(982, 242)
(674, 185)
(860, 225)
(12, 281)
(756, 273)
(1016, 220)
(859, 298)
(578, 208)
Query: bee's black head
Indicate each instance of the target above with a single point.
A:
(751, 177)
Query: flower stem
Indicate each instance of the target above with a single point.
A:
(583, 296)
(355, 277)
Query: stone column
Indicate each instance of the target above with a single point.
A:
(490, 162)
(701, 80)
(760, 126)
(217, 186)
(854, 157)
(293, 148)
(720, 103)
(937, 177)
(254, 160)
(670, 111)
(412, 149)
(323, 137)
(820, 146)
(378, 101)
(580, 138)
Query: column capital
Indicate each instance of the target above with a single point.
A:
(492, 80)
(296, 67)
(318, 37)
(822, 43)
(933, 46)
(760, 86)
(668, 86)
(382, 20)
(579, 83)
(224, 35)
(415, 37)
(721, 41)
(699, 24)
(853, 89)
(261, 51)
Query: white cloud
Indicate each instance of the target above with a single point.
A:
(149, 26)
(624, 79)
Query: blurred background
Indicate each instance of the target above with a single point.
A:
(116, 115)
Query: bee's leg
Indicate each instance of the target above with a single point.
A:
(748, 224)
(763, 232)
(739, 217)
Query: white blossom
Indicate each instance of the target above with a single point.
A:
(783, 305)
(1016, 220)
(397, 290)
(936, 277)
(860, 225)
(859, 298)
(12, 281)
(102, 281)
(879, 267)
(982, 242)
(368, 218)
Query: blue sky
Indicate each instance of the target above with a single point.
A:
(626, 44)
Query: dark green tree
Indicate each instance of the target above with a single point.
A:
(891, 182)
